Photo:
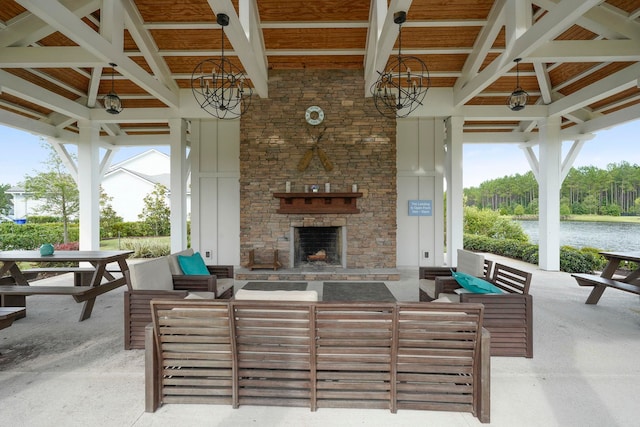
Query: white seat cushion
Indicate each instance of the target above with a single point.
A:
(174, 265)
(244, 294)
(447, 298)
(153, 274)
(200, 295)
(223, 285)
(428, 286)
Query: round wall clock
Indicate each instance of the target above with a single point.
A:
(314, 115)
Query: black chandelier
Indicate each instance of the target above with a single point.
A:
(219, 86)
(518, 98)
(111, 101)
(401, 89)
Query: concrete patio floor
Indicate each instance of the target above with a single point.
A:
(56, 371)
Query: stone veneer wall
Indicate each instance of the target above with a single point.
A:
(359, 142)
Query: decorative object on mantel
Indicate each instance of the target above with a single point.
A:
(287, 187)
(315, 188)
(401, 89)
(318, 203)
(354, 188)
(219, 86)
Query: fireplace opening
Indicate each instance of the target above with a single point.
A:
(318, 246)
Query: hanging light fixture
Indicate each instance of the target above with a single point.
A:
(401, 89)
(111, 101)
(219, 86)
(518, 98)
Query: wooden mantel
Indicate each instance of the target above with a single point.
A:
(318, 203)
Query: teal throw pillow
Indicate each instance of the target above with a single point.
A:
(475, 284)
(193, 265)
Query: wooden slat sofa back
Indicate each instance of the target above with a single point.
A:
(509, 317)
(319, 354)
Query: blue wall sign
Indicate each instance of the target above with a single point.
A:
(420, 207)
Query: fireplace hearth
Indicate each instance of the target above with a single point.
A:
(318, 246)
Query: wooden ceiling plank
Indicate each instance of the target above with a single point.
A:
(35, 127)
(48, 57)
(64, 21)
(603, 88)
(483, 44)
(147, 45)
(29, 29)
(40, 96)
(548, 27)
(586, 51)
(604, 21)
(251, 54)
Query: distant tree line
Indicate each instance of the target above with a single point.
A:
(586, 190)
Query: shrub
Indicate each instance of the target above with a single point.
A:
(30, 236)
(145, 248)
(572, 260)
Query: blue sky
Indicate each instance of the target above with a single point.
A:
(23, 155)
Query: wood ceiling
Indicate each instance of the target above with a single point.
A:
(580, 58)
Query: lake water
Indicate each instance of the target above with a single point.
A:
(610, 236)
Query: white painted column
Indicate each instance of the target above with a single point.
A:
(89, 180)
(179, 174)
(455, 194)
(549, 183)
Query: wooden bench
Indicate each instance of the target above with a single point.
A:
(9, 314)
(82, 276)
(508, 316)
(602, 283)
(417, 356)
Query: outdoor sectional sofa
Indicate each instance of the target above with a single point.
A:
(393, 356)
(508, 316)
(162, 278)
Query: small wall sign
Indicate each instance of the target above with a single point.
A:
(420, 207)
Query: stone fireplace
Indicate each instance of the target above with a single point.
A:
(318, 246)
(359, 144)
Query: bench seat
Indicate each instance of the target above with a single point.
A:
(601, 283)
(9, 314)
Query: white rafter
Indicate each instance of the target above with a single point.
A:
(59, 17)
(250, 51)
(380, 40)
(548, 27)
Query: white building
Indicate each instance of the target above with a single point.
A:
(127, 183)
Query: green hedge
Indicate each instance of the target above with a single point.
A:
(572, 260)
(31, 236)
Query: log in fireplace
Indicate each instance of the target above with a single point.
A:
(318, 246)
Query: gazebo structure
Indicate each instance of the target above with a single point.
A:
(102, 74)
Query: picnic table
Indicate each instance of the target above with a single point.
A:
(629, 283)
(99, 278)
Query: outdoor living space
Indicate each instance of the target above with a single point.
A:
(55, 370)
